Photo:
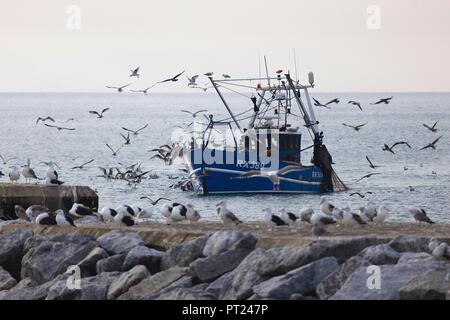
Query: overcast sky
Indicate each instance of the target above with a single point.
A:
(410, 51)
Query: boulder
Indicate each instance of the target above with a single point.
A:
(88, 220)
(149, 286)
(195, 293)
(278, 261)
(414, 257)
(380, 254)
(27, 289)
(87, 265)
(11, 250)
(6, 280)
(142, 255)
(117, 242)
(221, 241)
(110, 264)
(16, 221)
(48, 259)
(183, 254)
(333, 282)
(244, 277)
(91, 288)
(433, 285)
(183, 282)
(126, 281)
(410, 243)
(218, 287)
(392, 278)
(303, 280)
(215, 265)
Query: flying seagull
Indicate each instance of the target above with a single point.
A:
(82, 165)
(135, 132)
(433, 128)
(192, 81)
(6, 160)
(154, 202)
(127, 138)
(226, 76)
(318, 104)
(114, 152)
(135, 72)
(209, 74)
(371, 164)
(45, 119)
(119, 89)
(383, 100)
(360, 194)
(368, 176)
(391, 149)
(355, 103)
(144, 91)
(357, 128)
(99, 115)
(58, 127)
(194, 114)
(173, 79)
(431, 145)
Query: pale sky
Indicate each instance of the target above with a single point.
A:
(410, 52)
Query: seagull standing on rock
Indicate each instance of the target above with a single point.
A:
(80, 210)
(351, 217)
(382, 212)
(288, 217)
(107, 214)
(325, 206)
(191, 214)
(320, 219)
(271, 219)
(46, 219)
(27, 172)
(420, 215)
(306, 214)
(63, 219)
(228, 218)
(123, 218)
(14, 174)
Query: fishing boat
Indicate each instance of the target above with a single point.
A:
(259, 150)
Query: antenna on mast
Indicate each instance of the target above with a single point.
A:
(267, 71)
(295, 65)
(259, 63)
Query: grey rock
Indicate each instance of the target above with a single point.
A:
(126, 281)
(414, 257)
(244, 277)
(433, 285)
(183, 282)
(215, 265)
(52, 256)
(110, 264)
(410, 243)
(87, 265)
(381, 254)
(142, 255)
(297, 296)
(11, 250)
(302, 280)
(393, 277)
(17, 221)
(88, 220)
(221, 241)
(117, 242)
(27, 289)
(183, 254)
(278, 261)
(333, 282)
(6, 280)
(91, 288)
(151, 285)
(195, 293)
(219, 286)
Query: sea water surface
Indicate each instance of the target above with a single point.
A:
(401, 120)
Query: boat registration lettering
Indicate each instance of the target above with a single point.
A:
(249, 164)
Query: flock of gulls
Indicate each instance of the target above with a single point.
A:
(174, 212)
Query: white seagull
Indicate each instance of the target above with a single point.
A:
(288, 217)
(228, 218)
(325, 206)
(107, 214)
(420, 215)
(14, 174)
(63, 219)
(135, 72)
(192, 215)
(271, 219)
(80, 210)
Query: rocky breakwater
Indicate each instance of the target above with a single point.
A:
(222, 265)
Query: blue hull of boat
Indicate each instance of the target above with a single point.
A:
(222, 178)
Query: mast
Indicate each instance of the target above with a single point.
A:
(225, 103)
(302, 108)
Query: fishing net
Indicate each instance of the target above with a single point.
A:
(322, 158)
